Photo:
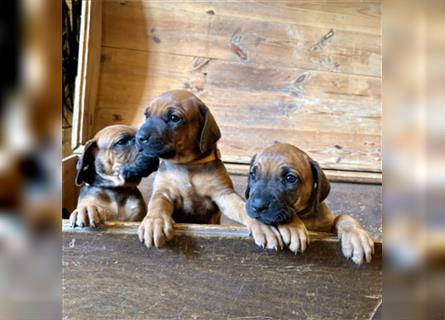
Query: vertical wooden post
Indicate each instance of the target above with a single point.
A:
(90, 43)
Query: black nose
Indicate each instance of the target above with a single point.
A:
(259, 204)
(142, 138)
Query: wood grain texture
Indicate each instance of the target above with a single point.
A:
(88, 72)
(332, 175)
(336, 118)
(188, 229)
(108, 275)
(304, 72)
(177, 30)
(357, 16)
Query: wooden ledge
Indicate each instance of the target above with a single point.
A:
(187, 229)
(212, 272)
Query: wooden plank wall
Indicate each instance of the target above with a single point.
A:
(303, 72)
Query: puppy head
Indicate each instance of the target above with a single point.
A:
(178, 127)
(283, 181)
(105, 155)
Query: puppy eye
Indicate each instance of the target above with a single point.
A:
(290, 178)
(252, 173)
(173, 118)
(122, 141)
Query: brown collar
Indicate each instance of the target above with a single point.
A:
(214, 155)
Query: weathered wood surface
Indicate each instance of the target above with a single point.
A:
(174, 28)
(335, 118)
(88, 72)
(331, 174)
(282, 76)
(112, 275)
(362, 201)
(188, 229)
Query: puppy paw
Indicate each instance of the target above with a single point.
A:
(295, 235)
(356, 244)
(155, 230)
(87, 215)
(265, 236)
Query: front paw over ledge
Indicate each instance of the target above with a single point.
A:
(265, 236)
(295, 235)
(155, 230)
(90, 215)
(356, 244)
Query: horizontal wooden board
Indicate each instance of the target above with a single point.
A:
(358, 16)
(187, 229)
(150, 26)
(364, 177)
(333, 175)
(335, 118)
(154, 69)
(112, 275)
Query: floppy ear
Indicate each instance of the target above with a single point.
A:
(85, 164)
(321, 186)
(210, 133)
(247, 192)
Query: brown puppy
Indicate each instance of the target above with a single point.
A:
(110, 192)
(192, 184)
(287, 188)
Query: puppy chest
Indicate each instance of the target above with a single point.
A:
(193, 207)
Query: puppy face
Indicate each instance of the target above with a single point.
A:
(178, 127)
(105, 155)
(283, 181)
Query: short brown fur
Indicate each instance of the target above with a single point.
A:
(188, 192)
(107, 195)
(312, 213)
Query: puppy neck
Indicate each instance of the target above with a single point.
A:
(214, 154)
(306, 212)
(112, 184)
(114, 188)
(206, 157)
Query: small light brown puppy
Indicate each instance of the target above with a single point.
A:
(192, 184)
(110, 192)
(287, 188)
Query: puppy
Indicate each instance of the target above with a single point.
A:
(287, 188)
(192, 184)
(110, 191)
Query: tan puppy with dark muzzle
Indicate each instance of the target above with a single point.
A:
(286, 188)
(192, 184)
(110, 191)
